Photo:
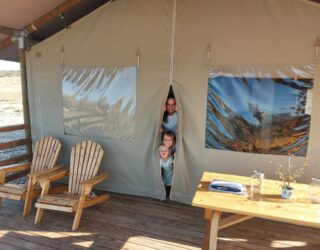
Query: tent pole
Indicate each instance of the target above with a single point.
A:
(24, 90)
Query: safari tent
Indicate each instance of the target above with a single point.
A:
(169, 43)
(245, 76)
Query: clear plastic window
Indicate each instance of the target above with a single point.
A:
(99, 102)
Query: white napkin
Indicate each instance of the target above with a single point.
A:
(228, 187)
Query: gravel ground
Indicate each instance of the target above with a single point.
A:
(11, 114)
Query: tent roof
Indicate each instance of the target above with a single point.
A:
(17, 15)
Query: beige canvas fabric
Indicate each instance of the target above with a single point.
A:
(244, 32)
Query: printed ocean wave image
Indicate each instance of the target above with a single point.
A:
(259, 115)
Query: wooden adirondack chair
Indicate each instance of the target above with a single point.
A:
(44, 159)
(84, 164)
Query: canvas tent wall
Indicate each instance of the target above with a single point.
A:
(172, 36)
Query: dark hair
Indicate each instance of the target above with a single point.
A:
(166, 113)
(171, 134)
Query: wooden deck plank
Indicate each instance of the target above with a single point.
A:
(4, 246)
(43, 238)
(100, 240)
(166, 216)
(130, 222)
(280, 234)
(309, 234)
(274, 240)
(15, 240)
(166, 205)
(120, 231)
(158, 227)
(60, 236)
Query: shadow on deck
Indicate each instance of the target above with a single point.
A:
(131, 222)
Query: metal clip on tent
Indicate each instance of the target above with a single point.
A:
(61, 15)
(208, 54)
(62, 56)
(317, 46)
(138, 54)
(295, 73)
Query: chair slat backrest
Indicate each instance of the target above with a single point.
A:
(84, 164)
(45, 154)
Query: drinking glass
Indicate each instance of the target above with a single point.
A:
(257, 180)
(315, 190)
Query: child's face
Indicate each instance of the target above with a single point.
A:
(171, 106)
(164, 153)
(167, 141)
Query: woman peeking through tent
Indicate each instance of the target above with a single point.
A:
(170, 116)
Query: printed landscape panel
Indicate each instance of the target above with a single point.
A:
(258, 115)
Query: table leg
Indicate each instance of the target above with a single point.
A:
(205, 244)
(214, 230)
(207, 216)
(222, 223)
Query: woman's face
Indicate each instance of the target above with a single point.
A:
(167, 141)
(171, 105)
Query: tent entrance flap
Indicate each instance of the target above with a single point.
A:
(167, 148)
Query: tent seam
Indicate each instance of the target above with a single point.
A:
(173, 37)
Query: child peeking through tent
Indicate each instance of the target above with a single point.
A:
(166, 164)
(169, 140)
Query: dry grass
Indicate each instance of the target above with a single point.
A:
(10, 89)
(10, 101)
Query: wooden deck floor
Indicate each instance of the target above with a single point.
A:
(130, 222)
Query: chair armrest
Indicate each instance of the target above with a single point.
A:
(53, 176)
(88, 184)
(47, 171)
(95, 180)
(15, 168)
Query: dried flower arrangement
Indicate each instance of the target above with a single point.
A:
(290, 173)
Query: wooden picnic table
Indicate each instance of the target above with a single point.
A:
(298, 210)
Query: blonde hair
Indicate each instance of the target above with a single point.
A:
(161, 147)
